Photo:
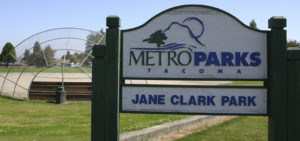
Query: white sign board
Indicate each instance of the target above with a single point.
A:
(194, 42)
(194, 100)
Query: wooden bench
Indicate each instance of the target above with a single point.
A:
(76, 91)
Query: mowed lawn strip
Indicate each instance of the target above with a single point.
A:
(40, 120)
(244, 128)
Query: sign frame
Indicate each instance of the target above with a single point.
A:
(106, 67)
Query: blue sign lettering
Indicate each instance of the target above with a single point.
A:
(227, 58)
(210, 100)
(241, 58)
(201, 99)
(161, 99)
(238, 100)
(150, 99)
(185, 58)
(212, 59)
(194, 100)
(174, 99)
(255, 59)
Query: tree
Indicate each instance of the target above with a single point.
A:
(67, 56)
(49, 54)
(8, 54)
(95, 38)
(36, 58)
(253, 24)
(157, 37)
(26, 57)
(37, 47)
(292, 44)
(74, 59)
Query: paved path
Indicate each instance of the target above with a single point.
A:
(174, 130)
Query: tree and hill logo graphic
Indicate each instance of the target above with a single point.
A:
(159, 37)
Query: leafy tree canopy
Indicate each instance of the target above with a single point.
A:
(8, 54)
(39, 57)
(67, 56)
(95, 38)
(293, 44)
(26, 57)
(49, 54)
(37, 47)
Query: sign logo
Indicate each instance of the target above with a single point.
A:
(159, 36)
(189, 56)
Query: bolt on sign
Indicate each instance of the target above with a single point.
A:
(194, 42)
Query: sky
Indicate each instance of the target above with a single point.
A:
(23, 18)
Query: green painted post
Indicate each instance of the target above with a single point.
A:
(293, 94)
(277, 79)
(112, 114)
(98, 94)
(106, 81)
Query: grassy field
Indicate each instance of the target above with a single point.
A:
(39, 120)
(48, 70)
(245, 128)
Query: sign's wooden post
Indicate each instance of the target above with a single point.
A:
(293, 94)
(106, 77)
(98, 86)
(112, 79)
(277, 80)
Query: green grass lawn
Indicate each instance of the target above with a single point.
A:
(245, 128)
(39, 120)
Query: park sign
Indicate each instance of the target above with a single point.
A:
(194, 42)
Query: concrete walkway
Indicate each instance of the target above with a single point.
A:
(174, 130)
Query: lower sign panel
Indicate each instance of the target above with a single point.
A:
(249, 101)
